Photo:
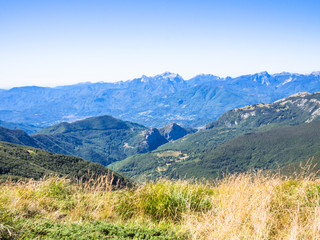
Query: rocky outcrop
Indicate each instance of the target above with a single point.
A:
(152, 140)
(173, 132)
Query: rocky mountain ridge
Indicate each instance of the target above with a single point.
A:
(295, 109)
(151, 101)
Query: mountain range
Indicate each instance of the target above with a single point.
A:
(152, 101)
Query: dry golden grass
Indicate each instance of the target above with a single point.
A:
(243, 206)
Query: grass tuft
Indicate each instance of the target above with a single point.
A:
(165, 200)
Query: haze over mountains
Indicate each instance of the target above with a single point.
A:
(151, 101)
(282, 134)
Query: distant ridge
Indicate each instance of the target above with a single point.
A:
(17, 136)
(25, 127)
(152, 101)
(94, 123)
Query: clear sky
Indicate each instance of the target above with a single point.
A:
(60, 42)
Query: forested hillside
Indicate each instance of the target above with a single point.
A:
(20, 162)
(102, 139)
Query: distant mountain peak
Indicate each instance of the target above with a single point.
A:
(169, 74)
(173, 131)
(263, 73)
(152, 100)
(144, 78)
(281, 74)
(316, 73)
(173, 77)
(105, 122)
(262, 77)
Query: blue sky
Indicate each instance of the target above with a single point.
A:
(49, 43)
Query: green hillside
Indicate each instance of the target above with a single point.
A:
(17, 137)
(190, 155)
(296, 109)
(104, 139)
(271, 149)
(93, 123)
(100, 139)
(26, 162)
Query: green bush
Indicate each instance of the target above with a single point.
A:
(59, 188)
(166, 200)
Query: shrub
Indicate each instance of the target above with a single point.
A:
(165, 200)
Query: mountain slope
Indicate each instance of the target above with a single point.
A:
(296, 109)
(173, 131)
(93, 124)
(293, 110)
(26, 162)
(17, 136)
(153, 101)
(271, 149)
(189, 155)
(101, 139)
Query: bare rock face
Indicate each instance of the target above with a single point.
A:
(295, 109)
(173, 132)
(153, 139)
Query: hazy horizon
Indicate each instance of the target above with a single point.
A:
(186, 79)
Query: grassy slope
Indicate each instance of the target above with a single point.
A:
(244, 206)
(27, 162)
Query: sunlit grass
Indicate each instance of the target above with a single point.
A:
(242, 206)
